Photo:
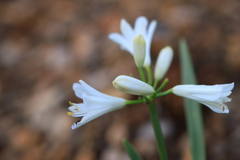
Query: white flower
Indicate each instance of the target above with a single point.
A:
(139, 50)
(132, 86)
(94, 104)
(163, 62)
(128, 33)
(212, 96)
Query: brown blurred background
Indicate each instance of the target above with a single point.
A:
(47, 45)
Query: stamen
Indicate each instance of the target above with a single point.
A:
(70, 103)
(70, 113)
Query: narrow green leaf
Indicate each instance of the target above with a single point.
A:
(132, 153)
(192, 108)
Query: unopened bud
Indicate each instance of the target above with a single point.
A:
(132, 85)
(139, 50)
(163, 62)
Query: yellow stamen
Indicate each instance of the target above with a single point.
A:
(70, 103)
(70, 113)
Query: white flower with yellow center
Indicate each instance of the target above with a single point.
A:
(125, 40)
(212, 96)
(95, 104)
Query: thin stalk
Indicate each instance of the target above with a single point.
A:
(149, 74)
(155, 83)
(158, 131)
(162, 85)
(135, 102)
(141, 74)
(164, 93)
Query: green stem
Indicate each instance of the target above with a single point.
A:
(163, 85)
(135, 102)
(149, 74)
(155, 83)
(158, 131)
(164, 93)
(141, 74)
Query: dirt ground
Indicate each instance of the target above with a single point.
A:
(46, 46)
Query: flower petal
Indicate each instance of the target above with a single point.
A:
(78, 89)
(78, 109)
(226, 87)
(216, 107)
(198, 92)
(127, 31)
(119, 39)
(93, 102)
(92, 115)
(140, 26)
(149, 35)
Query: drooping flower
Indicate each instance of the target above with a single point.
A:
(139, 50)
(132, 85)
(95, 104)
(125, 40)
(213, 97)
(163, 62)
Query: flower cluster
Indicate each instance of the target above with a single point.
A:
(137, 41)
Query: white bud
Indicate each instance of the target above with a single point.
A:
(132, 85)
(139, 50)
(163, 62)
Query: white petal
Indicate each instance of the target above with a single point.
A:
(141, 26)
(93, 102)
(93, 92)
(150, 31)
(92, 115)
(216, 107)
(148, 39)
(226, 87)
(223, 95)
(119, 39)
(79, 110)
(127, 31)
(198, 92)
(78, 90)
(226, 99)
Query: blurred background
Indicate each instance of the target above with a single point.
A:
(47, 45)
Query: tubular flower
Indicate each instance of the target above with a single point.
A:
(132, 86)
(213, 97)
(163, 62)
(125, 40)
(95, 104)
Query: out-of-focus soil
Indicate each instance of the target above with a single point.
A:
(46, 46)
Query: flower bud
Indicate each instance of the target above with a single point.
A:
(139, 50)
(132, 85)
(163, 62)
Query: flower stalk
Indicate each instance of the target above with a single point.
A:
(157, 131)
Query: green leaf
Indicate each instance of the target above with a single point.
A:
(192, 108)
(132, 153)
